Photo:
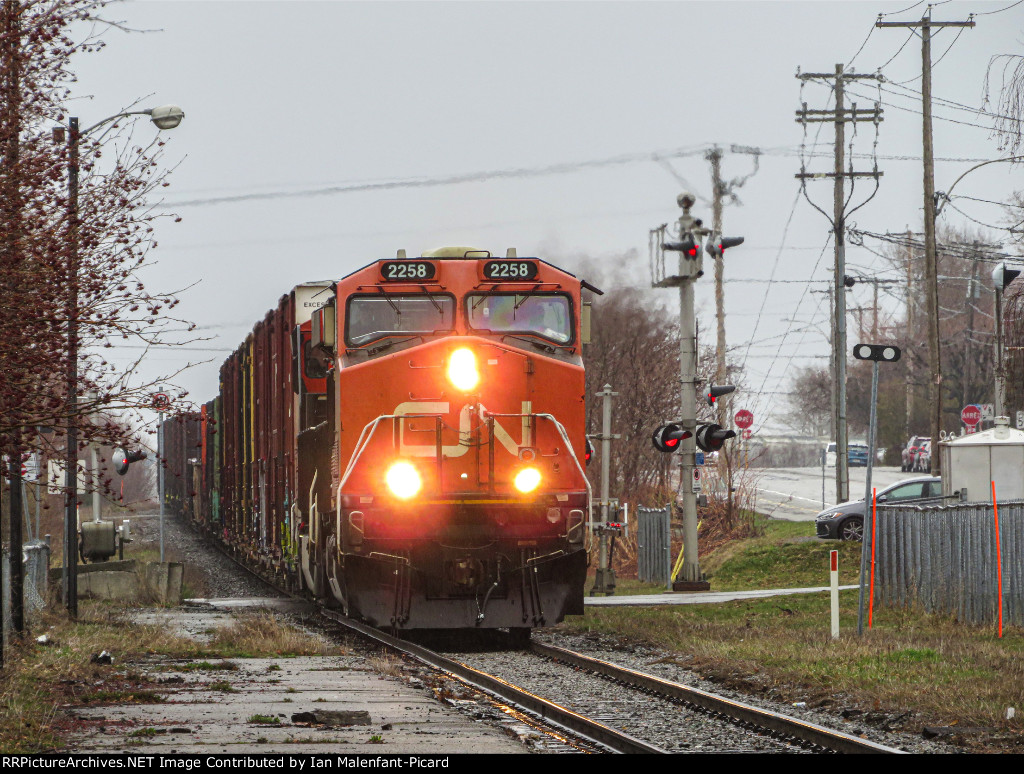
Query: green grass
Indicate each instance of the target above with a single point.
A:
(788, 555)
(264, 720)
(940, 671)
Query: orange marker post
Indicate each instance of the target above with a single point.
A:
(999, 560)
(833, 557)
(874, 531)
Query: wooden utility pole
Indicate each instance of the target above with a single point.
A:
(911, 333)
(840, 116)
(930, 262)
(718, 191)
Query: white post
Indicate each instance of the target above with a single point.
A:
(834, 573)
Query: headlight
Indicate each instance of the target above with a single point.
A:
(403, 480)
(527, 480)
(462, 370)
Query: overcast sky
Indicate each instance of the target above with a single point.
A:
(320, 136)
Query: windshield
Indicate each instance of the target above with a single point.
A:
(544, 315)
(374, 317)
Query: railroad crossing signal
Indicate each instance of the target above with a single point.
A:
(717, 250)
(711, 437)
(667, 437)
(714, 393)
(122, 459)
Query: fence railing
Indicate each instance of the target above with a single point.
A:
(944, 558)
(654, 545)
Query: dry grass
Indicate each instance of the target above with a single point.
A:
(40, 679)
(385, 663)
(940, 671)
(929, 669)
(262, 634)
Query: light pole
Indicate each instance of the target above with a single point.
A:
(165, 117)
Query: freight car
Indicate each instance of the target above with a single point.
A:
(407, 443)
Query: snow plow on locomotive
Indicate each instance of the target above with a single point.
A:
(413, 449)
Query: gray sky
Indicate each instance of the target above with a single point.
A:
(392, 101)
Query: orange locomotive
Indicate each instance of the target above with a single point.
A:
(445, 485)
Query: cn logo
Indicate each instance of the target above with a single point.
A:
(410, 445)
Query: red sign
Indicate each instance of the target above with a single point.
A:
(746, 434)
(744, 419)
(971, 415)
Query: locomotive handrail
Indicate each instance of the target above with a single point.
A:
(371, 427)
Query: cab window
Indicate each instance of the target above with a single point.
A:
(546, 315)
(369, 318)
(313, 366)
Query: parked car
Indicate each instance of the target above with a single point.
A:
(846, 520)
(857, 455)
(830, 455)
(909, 455)
(923, 460)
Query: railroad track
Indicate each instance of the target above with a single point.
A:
(784, 731)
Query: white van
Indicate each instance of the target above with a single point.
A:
(830, 455)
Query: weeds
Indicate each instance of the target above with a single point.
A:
(264, 720)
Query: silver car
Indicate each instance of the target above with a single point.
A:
(846, 520)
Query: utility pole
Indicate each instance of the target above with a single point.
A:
(840, 116)
(911, 334)
(718, 191)
(604, 578)
(930, 261)
(690, 268)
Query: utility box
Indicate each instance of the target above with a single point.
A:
(972, 462)
(99, 540)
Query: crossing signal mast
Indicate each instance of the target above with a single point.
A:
(684, 435)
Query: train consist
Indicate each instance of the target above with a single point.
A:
(407, 443)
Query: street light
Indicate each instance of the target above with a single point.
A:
(164, 117)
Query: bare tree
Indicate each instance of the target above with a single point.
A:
(1009, 68)
(46, 246)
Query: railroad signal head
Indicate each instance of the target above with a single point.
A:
(883, 353)
(589, 452)
(718, 247)
(710, 438)
(667, 438)
(688, 247)
(122, 459)
(849, 282)
(1002, 275)
(715, 392)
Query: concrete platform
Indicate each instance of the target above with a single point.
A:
(198, 718)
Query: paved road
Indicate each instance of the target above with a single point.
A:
(795, 494)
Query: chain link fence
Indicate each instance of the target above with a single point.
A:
(36, 562)
(944, 559)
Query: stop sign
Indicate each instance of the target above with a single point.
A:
(971, 415)
(744, 419)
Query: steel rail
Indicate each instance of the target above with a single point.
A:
(550, 712)
(775, 722)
